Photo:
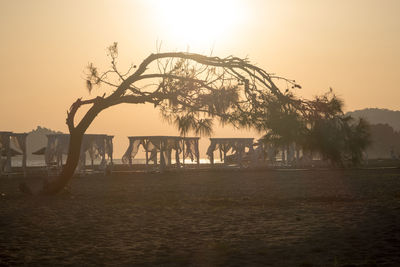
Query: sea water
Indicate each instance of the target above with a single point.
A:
(17, 162)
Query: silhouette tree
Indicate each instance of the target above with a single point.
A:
(190, 89)
(385, 141)
(339, 140)
(317, 125)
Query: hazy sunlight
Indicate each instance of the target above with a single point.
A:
(200, 133)
(198, 24)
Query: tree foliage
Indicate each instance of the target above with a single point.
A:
(318, 125)
(191, 90)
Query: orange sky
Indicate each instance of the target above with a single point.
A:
(352, 46)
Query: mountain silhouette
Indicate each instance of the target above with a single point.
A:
(379, 116)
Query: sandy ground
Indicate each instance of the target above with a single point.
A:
(208, 218)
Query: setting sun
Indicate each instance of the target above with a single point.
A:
(198, 23)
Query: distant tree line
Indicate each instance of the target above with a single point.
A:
(319, 127)
(385, 142)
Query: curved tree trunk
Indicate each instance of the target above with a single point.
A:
(75, 143)
(76, 137)
(74, 150)
(68, 170)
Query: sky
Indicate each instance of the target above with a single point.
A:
(352, 46)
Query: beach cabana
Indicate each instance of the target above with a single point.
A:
(288, 155)
(12, 144)
(163, 146)
(95, 146)
(236, 147)
(190, 149)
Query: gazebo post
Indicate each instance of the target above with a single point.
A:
(177, 152)
(240, 156)
(252, 155)
(147, 155)
(24, 156)
(103, 156)
(156, 153)
(24, 164)
(162, 159)
(111, 147)
(183, 152)
(8, 151)
(130, 157)
(58, 160)
(197, 152)
(130, 161)
(262, 152)
(224, 151)
(169, 156)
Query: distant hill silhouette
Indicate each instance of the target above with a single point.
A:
(377, 115)
(37, 139)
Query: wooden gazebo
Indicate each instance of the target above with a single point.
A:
(236, 147)
(96, 146)
(162, 146)
(12, 144)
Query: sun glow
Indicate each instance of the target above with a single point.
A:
(198, 24)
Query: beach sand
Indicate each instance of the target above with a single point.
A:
(208, 218)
